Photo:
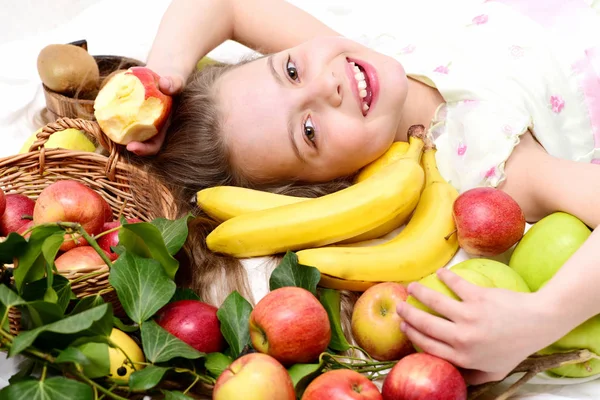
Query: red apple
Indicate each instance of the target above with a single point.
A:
(78, 258)
(17, 207)
(24, 228)
(341, 384)
(112, 239)
(2, 202)
(488, 221)
(421, 376)
(194, 323)
(70, 201)
(376, 324)
(254, 376)
(291, 325)
(108, 214)
(130, 107)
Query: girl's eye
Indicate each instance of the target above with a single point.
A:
(309, 130)
(292, 71)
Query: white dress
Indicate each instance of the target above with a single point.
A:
(503, 67)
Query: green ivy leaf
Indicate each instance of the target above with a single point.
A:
(216, 363)
(49, 389)
(291, 273)
(331, 300)
(184, 294)
(142, 285)
(31, 262)
(13, 246)
(174, 232)
(153, 240)
(125, 328)
(147, 378)
(38, 313)
(92, 357)
(234, 315)
(38, 290)
(96, 321)
(9, 298)
(86, 303)
(175, 395)
(160, 346)
(51, 246)
(302, 375)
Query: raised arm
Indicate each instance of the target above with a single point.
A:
(192, 28)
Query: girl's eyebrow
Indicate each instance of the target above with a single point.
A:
(290, 124)
(273, 71)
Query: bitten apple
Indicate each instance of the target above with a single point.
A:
(291, 325)
(78, 258)
(17, 207)
(376, 324)
(341, 384)
(488, 221)
(193, 322)
(131, 107)
(112, 239)
(421, 376)
(70, 201)
(254, 376)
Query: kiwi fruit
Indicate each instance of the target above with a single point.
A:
(68, 69)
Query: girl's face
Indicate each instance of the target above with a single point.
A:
(307, 114)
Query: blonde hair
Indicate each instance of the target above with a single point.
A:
(194, 156)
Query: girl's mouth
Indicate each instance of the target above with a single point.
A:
(363, 75)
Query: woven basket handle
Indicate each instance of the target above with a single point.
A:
(90, 127)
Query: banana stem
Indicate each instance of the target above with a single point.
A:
(448, 236)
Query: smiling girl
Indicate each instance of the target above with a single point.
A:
(509, 92)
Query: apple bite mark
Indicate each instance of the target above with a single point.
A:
(130, 107)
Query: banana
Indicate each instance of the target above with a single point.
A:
(328, 219)
(225, 202)
(425, 245)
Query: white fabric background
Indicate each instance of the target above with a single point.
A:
(127, 28)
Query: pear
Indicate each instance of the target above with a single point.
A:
(70, 139)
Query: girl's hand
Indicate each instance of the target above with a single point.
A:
(169, 85)
(488, 333)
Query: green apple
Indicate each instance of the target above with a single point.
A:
(501, 275)
(585, 336)
(70, 139)
(546, 247)
(376, 324)
(433, 282)
(204, 61)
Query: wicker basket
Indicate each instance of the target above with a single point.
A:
(108, 175)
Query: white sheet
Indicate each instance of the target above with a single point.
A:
(127, 28)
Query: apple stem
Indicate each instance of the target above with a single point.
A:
(532, 366)
(448, 236)
(98, 236)
(27, 217)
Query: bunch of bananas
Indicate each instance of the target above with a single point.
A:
(330, 231)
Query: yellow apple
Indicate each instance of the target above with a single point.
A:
(376, 324)
(120, 368)
(70, 139)
(254, 376)
(546, 246)
(433, 282)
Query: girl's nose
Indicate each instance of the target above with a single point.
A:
(325, 88)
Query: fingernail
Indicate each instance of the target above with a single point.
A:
(403, 326)
(164, 82)
(399, 307)
(409, 288)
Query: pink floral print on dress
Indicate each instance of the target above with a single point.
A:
(408, 49)
(442, 69)
(516, 52)
(490, 173)
(557, 103)
(462, 149)
(480, 19)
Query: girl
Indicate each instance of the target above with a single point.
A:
(510, 93)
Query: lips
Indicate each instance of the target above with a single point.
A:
(366, 74)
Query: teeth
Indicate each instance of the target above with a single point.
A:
(362, 94)
(365, 107)
(362, 84)
(356, 69)
(360, 76)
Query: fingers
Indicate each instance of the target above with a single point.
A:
(434, 327)
(461, 287)
(148, 147)
(426, 343)
(170, 85)
(436, 301)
